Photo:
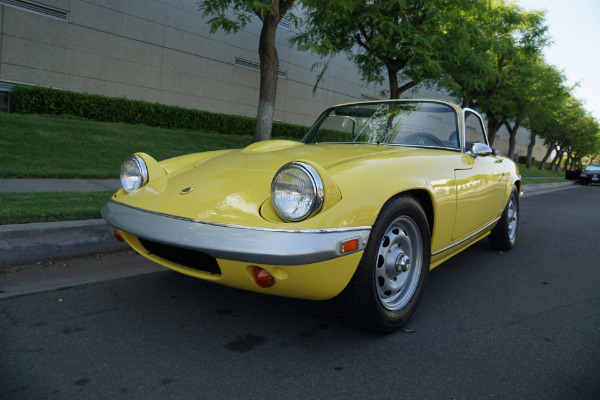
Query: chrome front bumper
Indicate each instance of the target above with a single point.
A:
(237, 243)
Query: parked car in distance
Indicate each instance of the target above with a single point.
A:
(373, 197)
(573, 173)
(591, 174)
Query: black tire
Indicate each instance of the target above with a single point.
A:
(388, 283)
(504, 234)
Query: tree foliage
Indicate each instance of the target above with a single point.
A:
(487, 45)
(397, 41)
(487, 54)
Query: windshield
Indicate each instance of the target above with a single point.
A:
(591, 168)
(414, 123)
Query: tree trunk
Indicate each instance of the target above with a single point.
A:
(269, 65)
(512, 131)
(556, 160)
(467, 101)
(548, 153)
(511, 143)
(406, 86)
(393, 79)
(568, 162)
(559, 162)
(493, 128)
(530, 147)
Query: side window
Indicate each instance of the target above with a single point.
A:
(473, 130)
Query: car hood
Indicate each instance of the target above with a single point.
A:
(272, 155)
(230, 187)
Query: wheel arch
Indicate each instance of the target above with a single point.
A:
(509, 188)
(361, 300)
(424, 198)
(519, 186)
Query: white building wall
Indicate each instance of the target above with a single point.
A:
(162, 51)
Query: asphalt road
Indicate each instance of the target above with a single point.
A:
(523, 324)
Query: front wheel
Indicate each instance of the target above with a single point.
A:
(388, 283)
(504, 234)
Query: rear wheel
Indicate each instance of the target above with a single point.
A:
(388, 283)
(504, 234)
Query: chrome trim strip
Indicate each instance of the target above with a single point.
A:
(252, 228)
(467, 238)
(412, 146)
(464, 128)
(237, 243)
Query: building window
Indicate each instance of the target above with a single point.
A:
(36, 8)
(255, 66)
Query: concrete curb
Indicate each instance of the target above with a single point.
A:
(26, 242)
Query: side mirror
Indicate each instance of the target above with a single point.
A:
(481, 149)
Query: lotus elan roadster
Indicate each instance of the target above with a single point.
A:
(373, 197)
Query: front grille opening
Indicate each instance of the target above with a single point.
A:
(180, 255)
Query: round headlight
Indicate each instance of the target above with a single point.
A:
(134, 173)
(297, 191)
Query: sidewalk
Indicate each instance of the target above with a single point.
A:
(58, 185)
(43, 241)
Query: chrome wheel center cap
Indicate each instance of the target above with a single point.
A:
(402, 263)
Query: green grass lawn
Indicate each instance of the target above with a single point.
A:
(535, 172)
(44, 147)
(535, 175)
(22, 208)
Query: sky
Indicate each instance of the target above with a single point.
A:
(574, 26)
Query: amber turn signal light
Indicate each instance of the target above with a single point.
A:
(118, 236)
(262, 277)
(350, 245)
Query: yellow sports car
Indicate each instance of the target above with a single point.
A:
(374, 196)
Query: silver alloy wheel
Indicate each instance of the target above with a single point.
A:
(512, 217)
(398, 263)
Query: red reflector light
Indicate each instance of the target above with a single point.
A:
(262, 277)
(117, 236)
(350, 245)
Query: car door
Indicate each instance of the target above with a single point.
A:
(480, 181)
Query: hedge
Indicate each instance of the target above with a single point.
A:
(534, 162)
(47, 101)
